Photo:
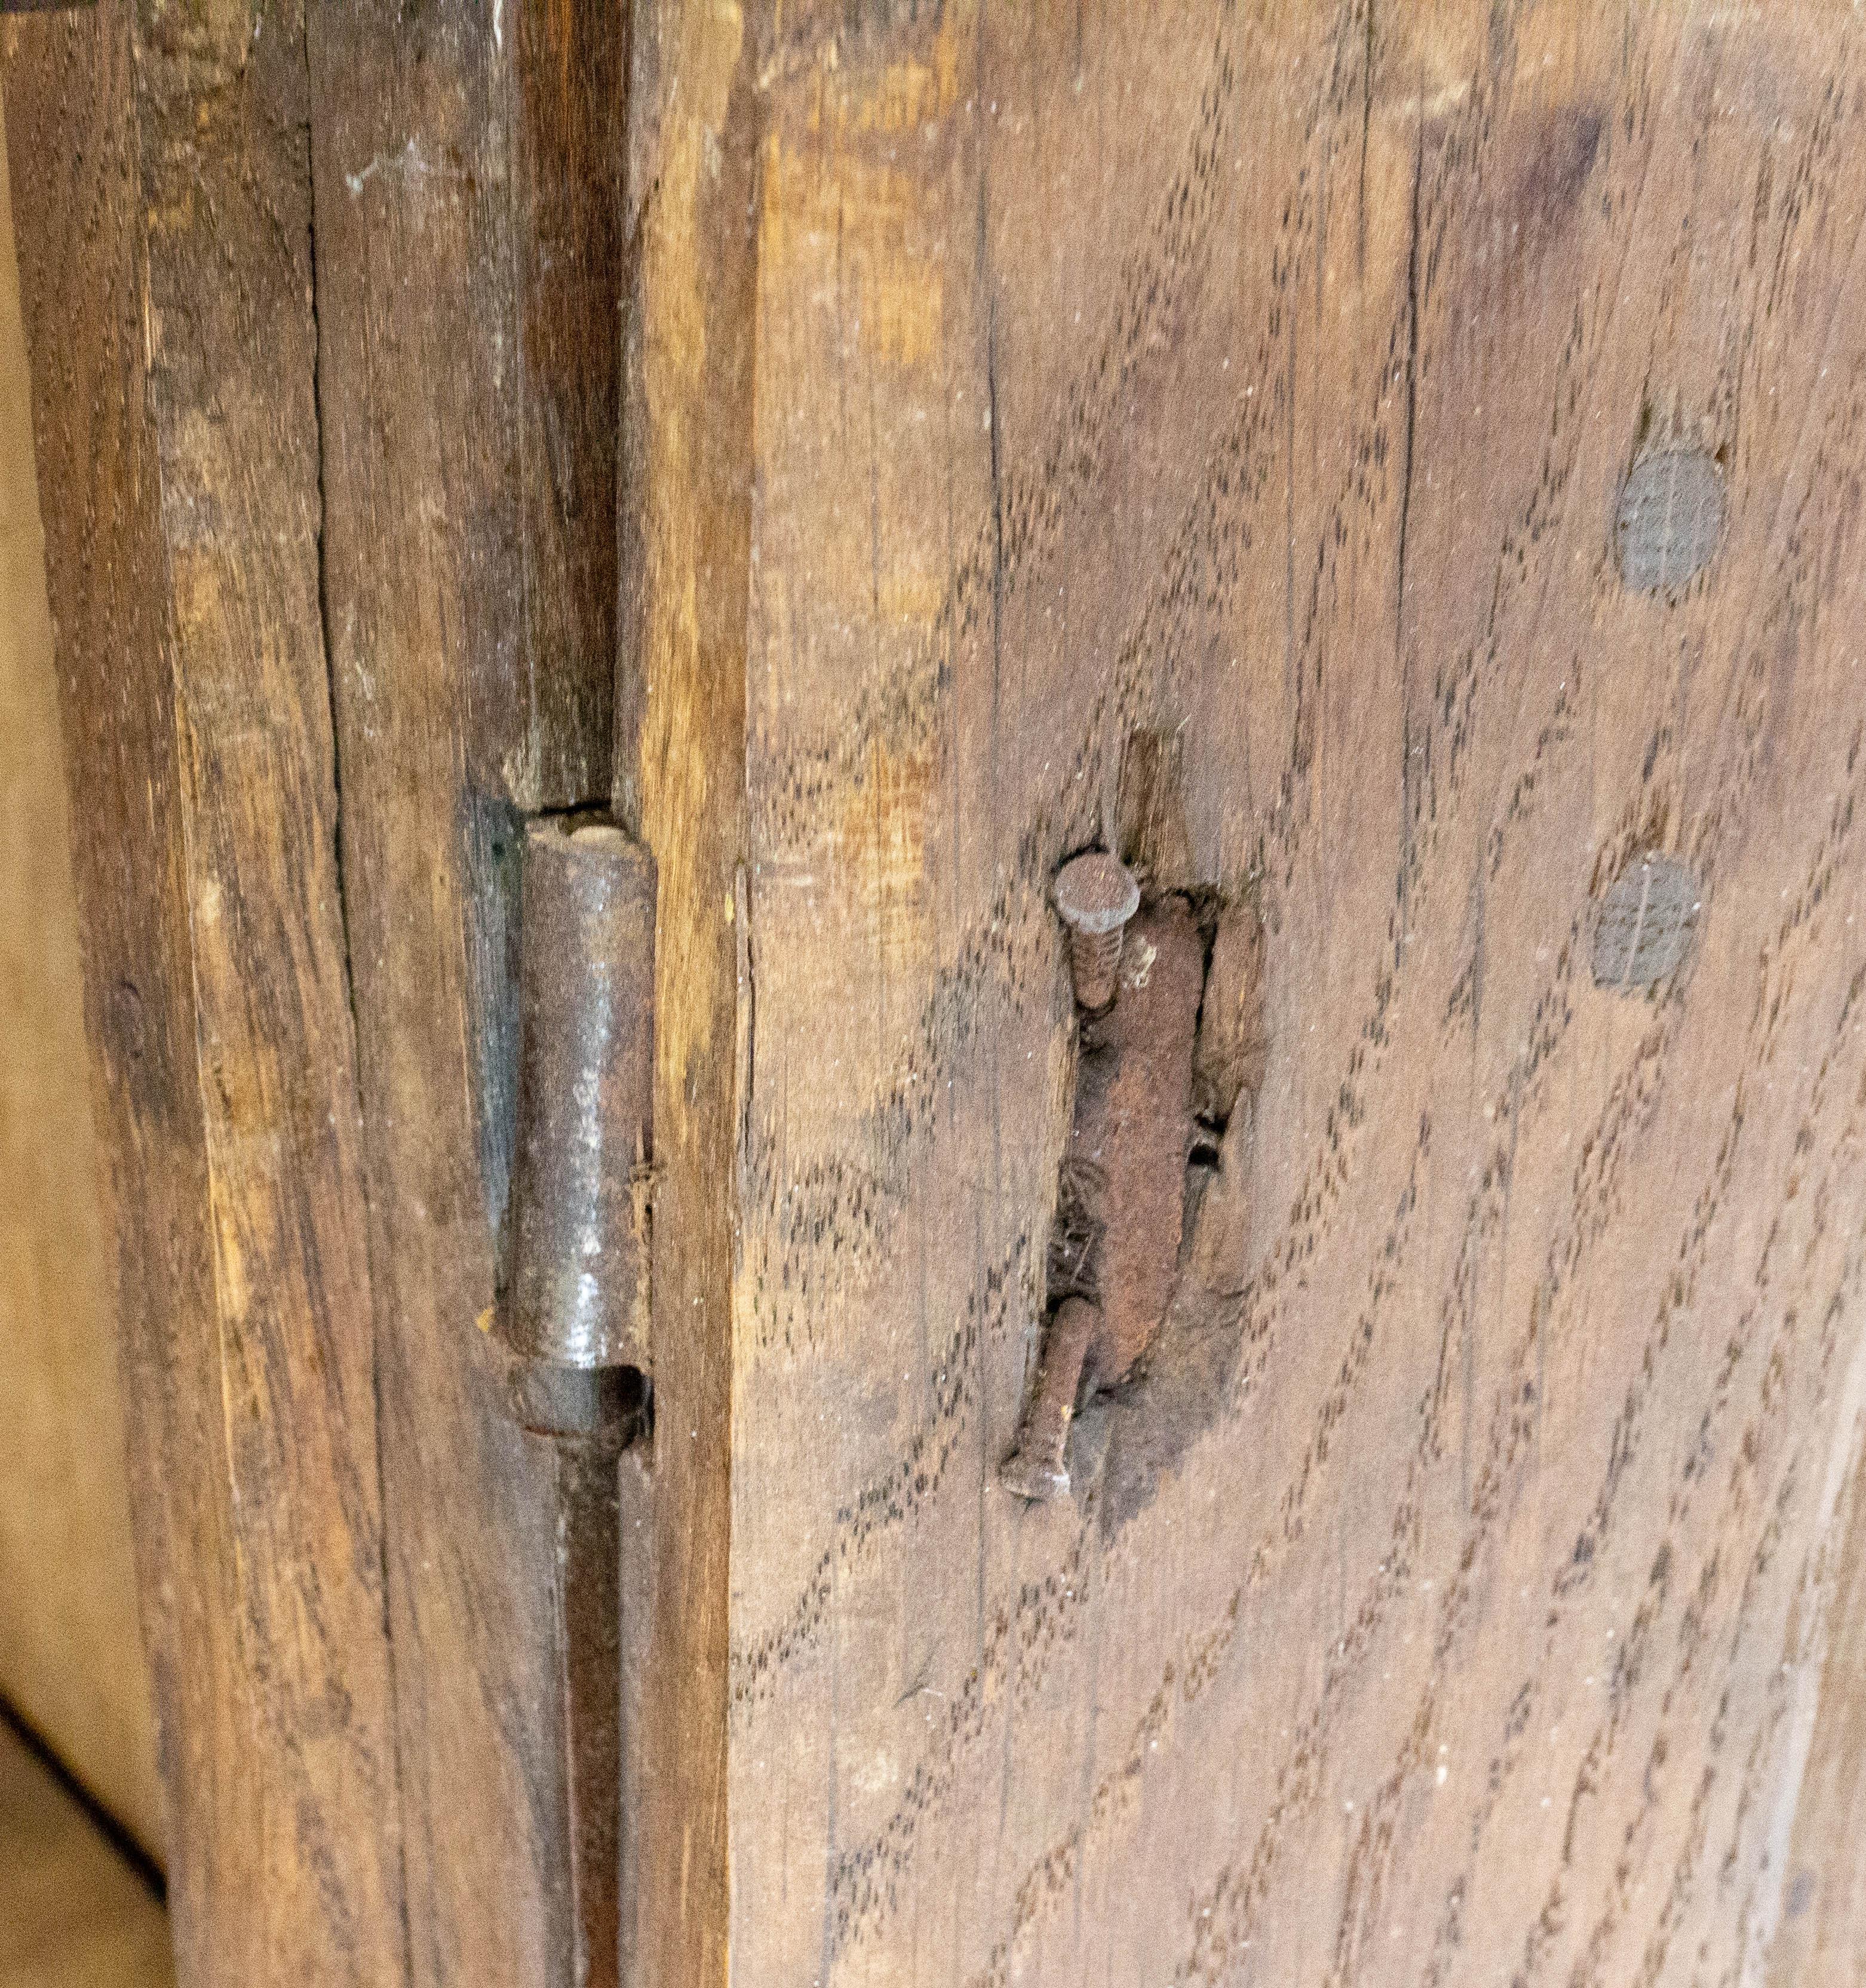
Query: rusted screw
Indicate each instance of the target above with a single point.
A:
(1038, 1466)
(1097, 895)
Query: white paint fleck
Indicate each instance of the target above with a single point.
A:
(408, 160)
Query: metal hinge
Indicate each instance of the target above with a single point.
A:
(572, 1320)
(574, 1316)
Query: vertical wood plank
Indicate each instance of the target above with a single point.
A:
(422, 588)
(164, 204)
(467, 164)
(680, 779)
(1270, 376)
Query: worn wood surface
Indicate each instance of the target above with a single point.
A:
(1267, 375)
(162, 194)
(370, 535)
(1820, 1931)
(71, 1654)
(689, 347)
(467, 164)
(1457, 1593)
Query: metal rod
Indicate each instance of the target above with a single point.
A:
(575, 1318)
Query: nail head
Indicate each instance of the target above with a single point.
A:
(1645, 926)
(1096, 892)
(1670, 522)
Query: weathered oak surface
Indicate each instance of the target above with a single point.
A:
(468, 288)
(690, 340)
(442, 740)
(1461, 1591)
(345, 305)
(162, 195)
(1268, 374)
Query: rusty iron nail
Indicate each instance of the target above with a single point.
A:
(1096, 894)
(1039, 1467)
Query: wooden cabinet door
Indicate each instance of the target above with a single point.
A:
(1428, 439)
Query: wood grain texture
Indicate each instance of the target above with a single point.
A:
(1820, 1932)
(71, 1650)
(680, 773)
(162, 195)
(1457, 1593)
(221, 109)
(467, 163)
(407, 444)
(1267, 374)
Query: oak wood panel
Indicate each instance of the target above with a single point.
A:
(1820, 1929)
(1267, 374)
(467, 162)
(71, 1650)
(689, 344)
(164, 204)
(1457, 1601)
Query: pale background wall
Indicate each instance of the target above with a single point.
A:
(71, 1661)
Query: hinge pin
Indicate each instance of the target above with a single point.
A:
(575, 1317)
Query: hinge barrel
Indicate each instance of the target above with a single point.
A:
(577, 1296)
